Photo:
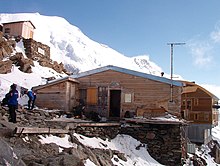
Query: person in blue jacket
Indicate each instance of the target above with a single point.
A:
(32, 96)
(13, 103)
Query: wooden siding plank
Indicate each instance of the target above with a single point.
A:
(36, 130)
(143, 90)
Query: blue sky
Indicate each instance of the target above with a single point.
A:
(137, 27)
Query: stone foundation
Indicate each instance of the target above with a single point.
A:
(101, 131)
(165, 142)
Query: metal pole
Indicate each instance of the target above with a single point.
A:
(171, 68)
(171, 72)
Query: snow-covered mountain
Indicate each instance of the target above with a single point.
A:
(70, 46)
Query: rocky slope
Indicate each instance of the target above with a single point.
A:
(9, 56)
(26, 149)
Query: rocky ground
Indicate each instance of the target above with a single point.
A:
(17, 150)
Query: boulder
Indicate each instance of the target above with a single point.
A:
(58, 67)
(5, 66)
(24, 63)
(7, 155)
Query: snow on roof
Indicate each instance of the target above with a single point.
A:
(128, 71)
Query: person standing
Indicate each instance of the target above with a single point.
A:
(13, 103)
(34, 98)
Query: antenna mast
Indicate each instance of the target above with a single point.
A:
(171, 67)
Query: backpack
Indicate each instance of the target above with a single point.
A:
(5, 100)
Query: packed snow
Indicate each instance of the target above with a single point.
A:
(123, 143)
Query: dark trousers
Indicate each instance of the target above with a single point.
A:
(12, 113)
(29, 103)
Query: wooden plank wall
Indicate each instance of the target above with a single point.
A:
(51, 97)
(145, 93)
(72, 93)
(201, 107)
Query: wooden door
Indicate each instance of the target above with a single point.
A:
(115, 103)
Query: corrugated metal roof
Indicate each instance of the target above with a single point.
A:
(190, 89)
(127, 71)
(56, 81)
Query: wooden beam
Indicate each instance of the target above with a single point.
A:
(98, 124)
(36, 130)
(153, 121)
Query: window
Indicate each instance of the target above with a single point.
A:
(31, 34)
(195, 116)
(196, 102)
(128, 98)
(206, 117)
(7, 30)
(92, 95)
(189, 104)
(83, 94)
(184, 102)
(41, 51)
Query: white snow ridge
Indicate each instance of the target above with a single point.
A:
(74, 49)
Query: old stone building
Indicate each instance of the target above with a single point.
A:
(36, 50)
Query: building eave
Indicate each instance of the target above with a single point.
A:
(56, 81)
(19, 22)
(128, 71)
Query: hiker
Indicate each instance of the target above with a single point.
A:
(32, 97)
(13, 103)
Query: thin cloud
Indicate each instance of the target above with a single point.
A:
(215, 35)
(201, 53)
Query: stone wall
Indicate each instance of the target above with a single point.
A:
(164, 141)
(41, 52)
(36, 50)
(98, 131)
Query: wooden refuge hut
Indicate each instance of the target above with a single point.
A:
(200, 108)
(23, 29)
(58, 94)
(112, 92)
